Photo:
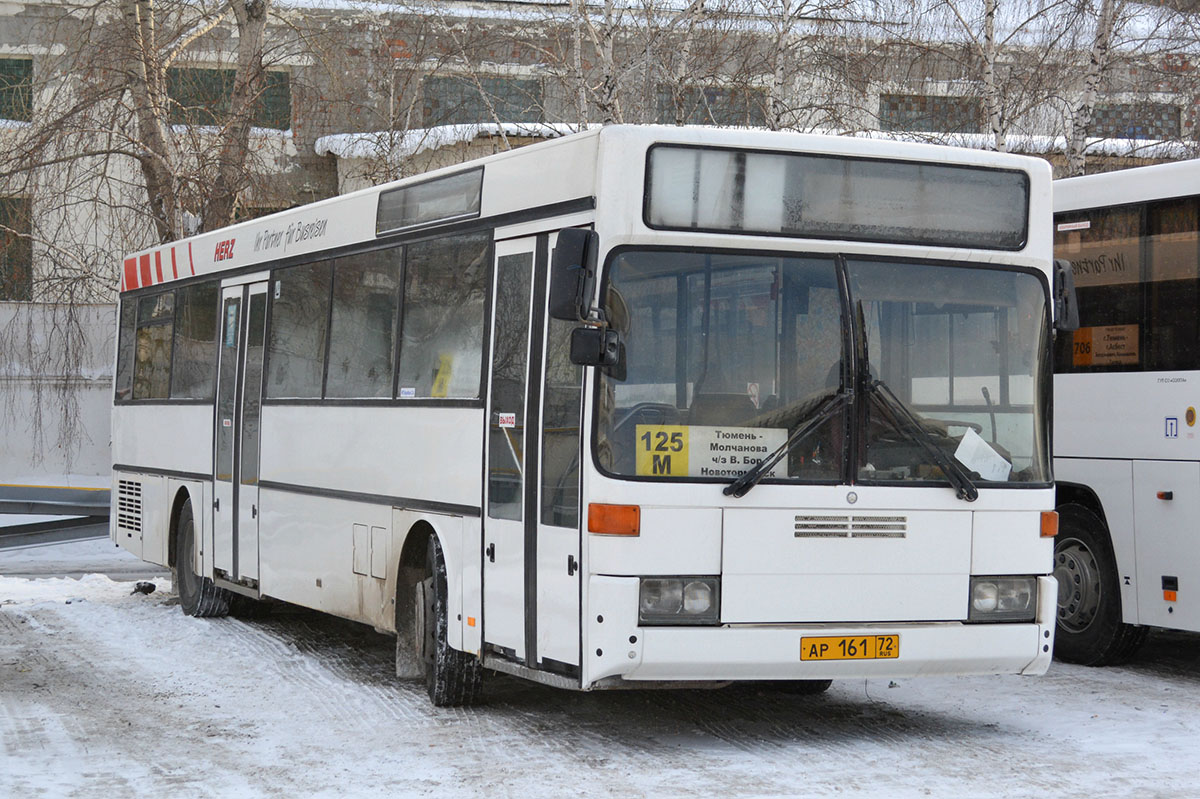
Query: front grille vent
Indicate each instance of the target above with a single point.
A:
(835, 526)
(129, 507)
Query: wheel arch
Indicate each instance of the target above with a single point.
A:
(410, 567)
(1079, 494)
(182, 495)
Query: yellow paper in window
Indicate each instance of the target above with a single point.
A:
(441, 379)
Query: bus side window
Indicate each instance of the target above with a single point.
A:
(194, 365)
(152, 345)
(362, 341)
(445, 286)
(296, 340)
(124, 378)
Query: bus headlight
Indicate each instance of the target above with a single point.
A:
(1003, 599)
(679, 600)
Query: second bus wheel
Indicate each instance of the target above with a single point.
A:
(451, 677)
(197, 595)
(1090, 630)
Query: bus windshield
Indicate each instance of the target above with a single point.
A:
(731, 357)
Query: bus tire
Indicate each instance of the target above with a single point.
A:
(197, 595)
(1090, 631)
(451, 677)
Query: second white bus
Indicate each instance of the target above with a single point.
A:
(1127, 452)
(635, 407)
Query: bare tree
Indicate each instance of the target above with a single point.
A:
(112, 162)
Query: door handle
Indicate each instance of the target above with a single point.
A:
(253, 511)
(491, 553)
(572, 566)
(217, 504)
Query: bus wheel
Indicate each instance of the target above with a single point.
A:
(197, 595)
(1090, 631)
(451, 677)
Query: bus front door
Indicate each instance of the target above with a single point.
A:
(236, 435)
(531, 531)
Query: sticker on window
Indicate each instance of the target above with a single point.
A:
(1105, 346)
(672, 450)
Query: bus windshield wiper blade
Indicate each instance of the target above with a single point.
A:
(742, 485)
(955, 473)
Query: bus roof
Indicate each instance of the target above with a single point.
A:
(1140, 184)
(566, 173)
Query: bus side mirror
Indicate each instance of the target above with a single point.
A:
(1066, 306)
(595, 346)
(573, 274)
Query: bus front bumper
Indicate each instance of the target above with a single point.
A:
(617, 650)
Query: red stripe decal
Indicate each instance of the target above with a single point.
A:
(131, 281)
(191, 262)
(174, 266)
(158, 264)
(145, 268)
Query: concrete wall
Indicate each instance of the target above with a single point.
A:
(56, 367)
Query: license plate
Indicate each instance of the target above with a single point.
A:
(858, 647)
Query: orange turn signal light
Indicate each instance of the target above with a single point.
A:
(1170, 596)
(614, 519)
(1049, 523)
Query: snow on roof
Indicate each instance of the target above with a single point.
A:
(398, 145)
(1046, 145)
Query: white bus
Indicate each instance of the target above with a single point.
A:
(639, 406)
(1127, 453)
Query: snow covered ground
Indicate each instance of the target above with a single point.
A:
(108, 693)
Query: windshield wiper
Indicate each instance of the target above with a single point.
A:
(742, 485)
(955, 473)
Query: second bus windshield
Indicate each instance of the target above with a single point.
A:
(729, 355)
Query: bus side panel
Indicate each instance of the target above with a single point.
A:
(428, 454)
(1166, 510)
(307, 554)
(141, 515)
(1112, 482)
(177, 438)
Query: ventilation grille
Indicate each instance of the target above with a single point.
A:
(812, 526)
(129, 506)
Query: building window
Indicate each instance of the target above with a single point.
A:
(203, 97)
(16, 89)
(930, 114)
(16, 251)
(459, 101)
(1136, 121)
(712, 105)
